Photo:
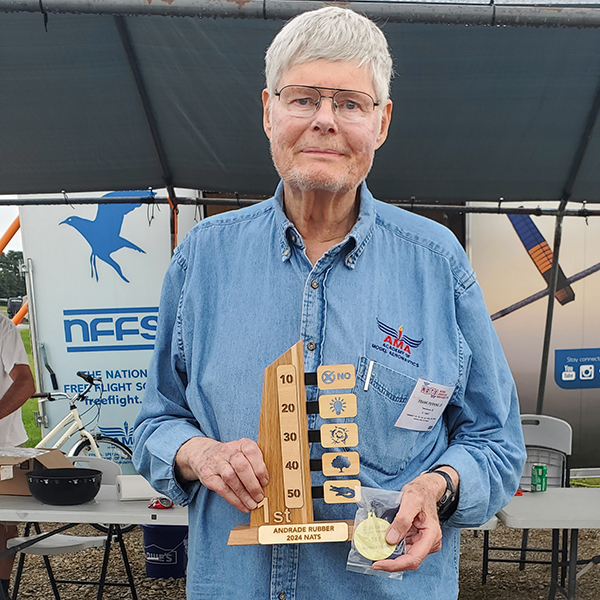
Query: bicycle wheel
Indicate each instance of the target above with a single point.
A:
(110, 449)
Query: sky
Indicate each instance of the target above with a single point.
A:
(7, 215)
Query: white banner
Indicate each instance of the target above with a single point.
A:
(97, 272)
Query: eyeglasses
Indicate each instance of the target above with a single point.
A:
(305, 101)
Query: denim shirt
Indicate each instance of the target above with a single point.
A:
(241, 291)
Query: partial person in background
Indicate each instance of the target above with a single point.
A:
(16, 386)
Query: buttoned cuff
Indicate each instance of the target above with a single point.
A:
(163, 446)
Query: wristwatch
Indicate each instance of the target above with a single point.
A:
(447, 504)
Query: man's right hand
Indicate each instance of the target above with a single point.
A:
(234, 470)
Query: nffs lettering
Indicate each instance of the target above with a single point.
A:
(89, 330)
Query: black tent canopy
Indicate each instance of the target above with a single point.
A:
(114, 95)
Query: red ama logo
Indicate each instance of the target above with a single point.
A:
(397, 339)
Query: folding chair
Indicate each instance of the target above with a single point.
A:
(548, 441)
(68, 544)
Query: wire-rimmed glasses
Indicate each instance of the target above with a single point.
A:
(304, 101)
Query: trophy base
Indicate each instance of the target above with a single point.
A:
(292, 533)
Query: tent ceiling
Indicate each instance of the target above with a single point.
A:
(479, 112)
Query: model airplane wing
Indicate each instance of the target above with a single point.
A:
(541, 255)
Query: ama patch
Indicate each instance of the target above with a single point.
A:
(396, 343)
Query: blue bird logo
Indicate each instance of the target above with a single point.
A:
(103, 234)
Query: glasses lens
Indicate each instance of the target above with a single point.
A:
(299, 100)
(353, 106)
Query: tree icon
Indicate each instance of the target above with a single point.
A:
(340, 462)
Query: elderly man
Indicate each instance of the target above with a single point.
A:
(359, 282)
(16, 386)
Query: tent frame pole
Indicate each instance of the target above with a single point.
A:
(123, 31)
(566, 195)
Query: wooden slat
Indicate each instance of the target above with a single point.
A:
(269, 443)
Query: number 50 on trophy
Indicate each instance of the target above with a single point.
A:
(285, 516)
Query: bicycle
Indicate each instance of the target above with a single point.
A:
(90, 443)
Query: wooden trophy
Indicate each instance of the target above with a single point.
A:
(285, 516)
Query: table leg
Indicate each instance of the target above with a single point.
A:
(486, 555)
(554, 567)
(126, 562)
(48, 567)
(573, 565)
(524, 543)
(20, 566)
(105, 562)
(564, 557)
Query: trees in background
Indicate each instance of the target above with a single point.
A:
(12, 282)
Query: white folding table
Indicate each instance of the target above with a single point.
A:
(557, 509)
(105, 508)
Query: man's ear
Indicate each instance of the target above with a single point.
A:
(266, 101)
(386, 118)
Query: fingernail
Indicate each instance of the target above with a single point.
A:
(260, 498)
(252, 505)
(392, 536)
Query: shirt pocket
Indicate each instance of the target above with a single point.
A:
(382, 446)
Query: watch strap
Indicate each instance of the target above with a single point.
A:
(447, 504)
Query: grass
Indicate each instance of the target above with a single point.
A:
(586, 482)
(31, 406)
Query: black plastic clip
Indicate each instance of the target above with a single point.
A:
(314, 436)
(310, 379)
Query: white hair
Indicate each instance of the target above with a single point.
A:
(333, 34)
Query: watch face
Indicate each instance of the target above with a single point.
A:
(445, 498)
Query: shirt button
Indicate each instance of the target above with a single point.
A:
(286, 252)
(314, 284)
(294, 240)
(282, 596)
(311, 346)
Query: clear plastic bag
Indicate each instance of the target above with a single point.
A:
(376, 510)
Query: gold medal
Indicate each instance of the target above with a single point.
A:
(369, 538)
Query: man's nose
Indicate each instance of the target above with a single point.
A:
(324, 118)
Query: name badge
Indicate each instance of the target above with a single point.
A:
(425, 406)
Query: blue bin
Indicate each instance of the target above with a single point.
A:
(165, 547)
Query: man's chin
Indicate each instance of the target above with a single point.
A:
(312, 182)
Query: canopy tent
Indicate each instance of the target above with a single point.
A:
(492, 100)
(110, 101)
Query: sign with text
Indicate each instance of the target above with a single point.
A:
(577, 369)
(96, 274)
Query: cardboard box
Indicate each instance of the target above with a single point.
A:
(16, 462)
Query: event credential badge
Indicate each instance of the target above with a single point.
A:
(425, 406)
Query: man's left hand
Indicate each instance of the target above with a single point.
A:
(417, 522)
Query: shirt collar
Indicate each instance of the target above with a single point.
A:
(357, 239)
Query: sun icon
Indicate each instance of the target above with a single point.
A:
(337, 405)
(339, 434)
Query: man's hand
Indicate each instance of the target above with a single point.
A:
(234, 470)
(417, 522)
